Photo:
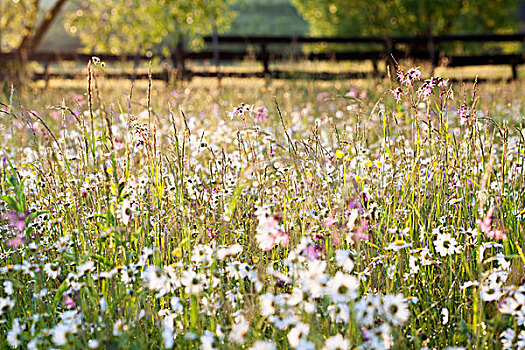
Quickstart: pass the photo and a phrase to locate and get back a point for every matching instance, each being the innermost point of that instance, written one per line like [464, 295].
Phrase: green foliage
[408, 17]
[17, 17]
[268, 17]
[136, 25]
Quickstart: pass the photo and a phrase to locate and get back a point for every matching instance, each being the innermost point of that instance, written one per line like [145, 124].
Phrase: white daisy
[125, 212]
[337, 342]
[263, 345]
[193, 282]
[445, 314]
[395, 309]
[8, 287]
[298, 333]
[119, 327]
[339, 312]
[490, 292]
[342, 287]
[342, 259]
[6, 304]
[267, 304]
[445, 244]
[239, 330]
[366, 309]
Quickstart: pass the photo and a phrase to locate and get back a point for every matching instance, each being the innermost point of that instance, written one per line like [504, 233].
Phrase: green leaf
[12, 202]
[34, 215]
[63, 287]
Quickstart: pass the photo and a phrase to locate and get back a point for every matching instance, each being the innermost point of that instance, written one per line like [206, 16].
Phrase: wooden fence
[271, 49]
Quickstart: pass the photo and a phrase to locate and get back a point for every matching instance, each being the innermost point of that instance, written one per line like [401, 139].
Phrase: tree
[120, 26]
[17, 20]
[408, 17]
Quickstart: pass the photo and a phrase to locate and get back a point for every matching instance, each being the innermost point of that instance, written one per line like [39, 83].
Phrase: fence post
[389, 52]
[46, 75]
[216, 58]
[135, 66]
[431, 51]
[180, 57]
[375, 67]
[265, 58]
[165, 72]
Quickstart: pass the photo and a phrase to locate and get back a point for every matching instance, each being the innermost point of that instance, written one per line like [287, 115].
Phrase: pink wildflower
[69, 302]
[425, 90]
[17, 220]
[269, 233]
[15, 242]
[261, 113]
[329, 221]
[397, 94]
[485, 226]
[464, 115]
[410, 77]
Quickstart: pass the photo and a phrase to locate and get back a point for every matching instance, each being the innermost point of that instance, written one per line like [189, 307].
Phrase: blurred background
[160, 29]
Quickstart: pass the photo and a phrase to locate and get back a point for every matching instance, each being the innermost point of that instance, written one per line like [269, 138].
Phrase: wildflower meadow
[381, 214]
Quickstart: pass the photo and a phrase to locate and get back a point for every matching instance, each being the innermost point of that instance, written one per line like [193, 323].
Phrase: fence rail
[428, 48]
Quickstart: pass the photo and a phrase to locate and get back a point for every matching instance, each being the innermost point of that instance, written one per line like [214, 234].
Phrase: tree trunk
[32, 44]
[29, 28]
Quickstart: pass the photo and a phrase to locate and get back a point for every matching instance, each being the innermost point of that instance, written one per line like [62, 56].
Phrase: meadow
[372, 214]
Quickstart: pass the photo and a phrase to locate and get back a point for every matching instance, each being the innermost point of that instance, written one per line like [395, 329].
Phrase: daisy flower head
[342, 287]
[126, 212]
[445, 244]
[367, 308]
[342, 259]
[336, 342]
[194, 283]
[395, 309]
[298, 334]
[490, 292]
[398, 244]
[52, 270]
[239, 330]
[263, 345]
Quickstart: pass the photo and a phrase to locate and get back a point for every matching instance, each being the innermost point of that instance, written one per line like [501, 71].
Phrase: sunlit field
[257, 214]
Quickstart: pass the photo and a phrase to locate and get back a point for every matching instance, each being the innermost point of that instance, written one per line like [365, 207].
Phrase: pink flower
[269, 233]
[315, 251]
[329, 221]
[17, 220]
[412, 75]
[360, 236]
[425, 91]
[323, 96]
[485, 226]
[15, 242]
[397, 94]
[464, 114]
[497, 235]
[261, 113]
[69, 302]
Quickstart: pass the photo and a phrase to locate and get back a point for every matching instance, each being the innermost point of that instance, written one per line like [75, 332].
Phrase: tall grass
[315, 218]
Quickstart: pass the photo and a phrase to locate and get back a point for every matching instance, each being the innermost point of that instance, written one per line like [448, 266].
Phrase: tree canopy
[138, 25]
[408, 17]
[115, 25]
[17, 21]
